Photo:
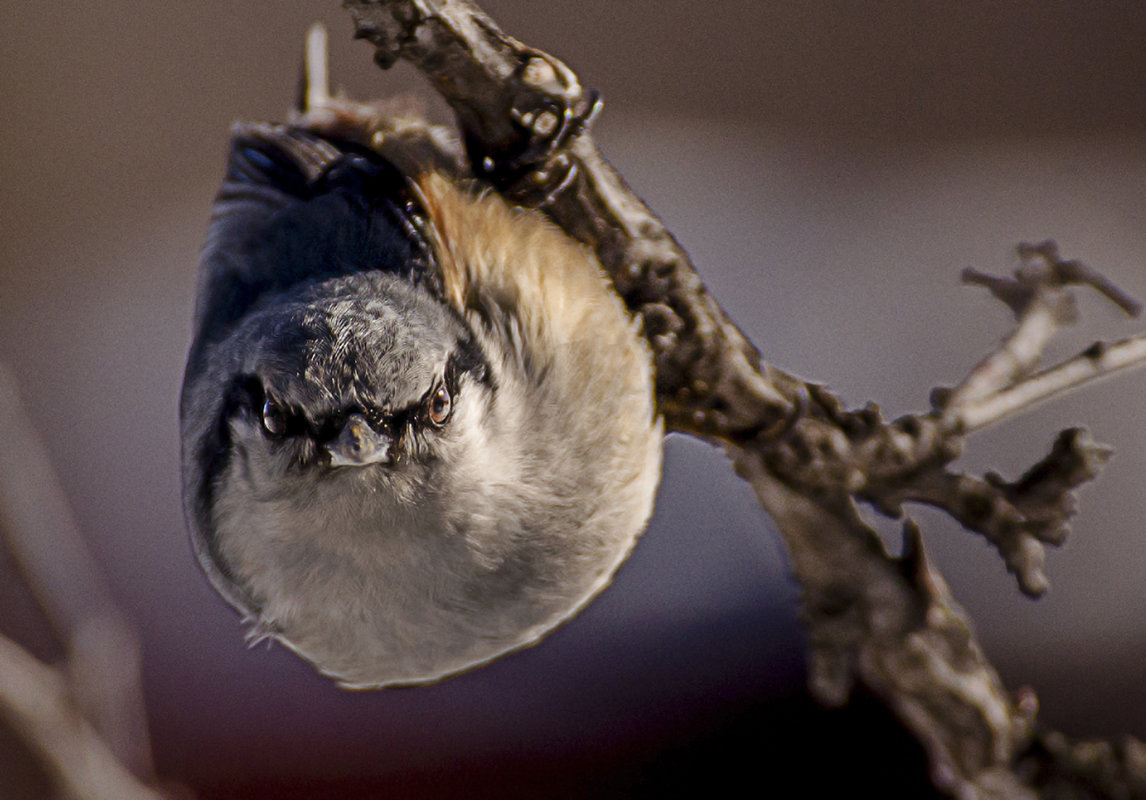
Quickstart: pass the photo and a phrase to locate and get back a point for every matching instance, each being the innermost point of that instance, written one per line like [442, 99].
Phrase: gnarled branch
[888, 622]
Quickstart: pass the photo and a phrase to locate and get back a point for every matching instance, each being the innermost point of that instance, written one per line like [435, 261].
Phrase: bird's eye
[274, 418]
[438, 406]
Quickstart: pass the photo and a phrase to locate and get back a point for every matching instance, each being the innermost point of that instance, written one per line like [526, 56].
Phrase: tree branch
[35, 698]
[890, 623]
[89, 723]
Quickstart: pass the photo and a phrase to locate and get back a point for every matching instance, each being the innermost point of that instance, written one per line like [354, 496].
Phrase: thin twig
[1098, 361]
[1016, 356]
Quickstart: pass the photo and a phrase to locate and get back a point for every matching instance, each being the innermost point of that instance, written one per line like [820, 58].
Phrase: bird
[418, 424]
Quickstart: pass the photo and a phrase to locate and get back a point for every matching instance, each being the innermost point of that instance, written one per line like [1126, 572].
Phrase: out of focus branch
[36, 700]
[888, 622]
[90, 717]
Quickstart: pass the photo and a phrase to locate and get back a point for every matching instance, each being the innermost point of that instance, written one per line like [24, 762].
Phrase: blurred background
[830, 166]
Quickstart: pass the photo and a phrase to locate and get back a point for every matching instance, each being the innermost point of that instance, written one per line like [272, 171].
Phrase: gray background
[831, 167]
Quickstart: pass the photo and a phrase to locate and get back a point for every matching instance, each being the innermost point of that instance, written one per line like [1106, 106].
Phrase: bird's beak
[358, 444]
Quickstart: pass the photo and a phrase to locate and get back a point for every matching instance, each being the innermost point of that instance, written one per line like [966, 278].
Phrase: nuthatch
[418, 424]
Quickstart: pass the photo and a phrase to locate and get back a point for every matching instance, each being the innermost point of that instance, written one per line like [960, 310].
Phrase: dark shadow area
[789, 745]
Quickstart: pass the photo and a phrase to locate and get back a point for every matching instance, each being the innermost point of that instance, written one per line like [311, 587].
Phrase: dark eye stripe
[467, 358]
